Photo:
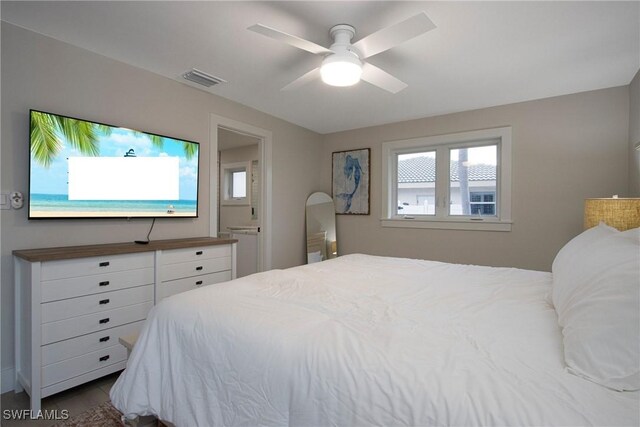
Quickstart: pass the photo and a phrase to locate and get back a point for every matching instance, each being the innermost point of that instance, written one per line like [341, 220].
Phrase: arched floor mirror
[321, 228]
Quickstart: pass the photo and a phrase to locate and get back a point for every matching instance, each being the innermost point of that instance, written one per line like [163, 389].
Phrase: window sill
[439, 224]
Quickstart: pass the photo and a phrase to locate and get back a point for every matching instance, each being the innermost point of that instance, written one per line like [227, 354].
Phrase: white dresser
[72, 304]
[185, 269]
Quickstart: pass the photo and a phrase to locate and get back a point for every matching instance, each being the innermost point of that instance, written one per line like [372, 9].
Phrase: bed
[364, 340]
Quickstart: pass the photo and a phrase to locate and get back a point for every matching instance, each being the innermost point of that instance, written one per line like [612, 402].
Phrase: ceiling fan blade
[382, 79]
[303, 80]
[289, 39]
[394, 35]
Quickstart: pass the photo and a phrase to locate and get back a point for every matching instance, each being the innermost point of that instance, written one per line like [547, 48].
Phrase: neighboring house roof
[423, 169]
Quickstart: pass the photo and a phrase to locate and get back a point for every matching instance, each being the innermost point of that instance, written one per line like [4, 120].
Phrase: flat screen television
[83, 169]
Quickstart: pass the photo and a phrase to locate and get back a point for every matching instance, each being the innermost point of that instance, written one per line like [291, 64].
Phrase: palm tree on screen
[190, 150]
[45, 143]
[81, 135]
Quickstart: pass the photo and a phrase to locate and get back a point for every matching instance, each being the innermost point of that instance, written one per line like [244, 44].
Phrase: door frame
[265, 143]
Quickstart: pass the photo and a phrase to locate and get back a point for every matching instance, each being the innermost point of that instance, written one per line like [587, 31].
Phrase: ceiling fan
[343, 63]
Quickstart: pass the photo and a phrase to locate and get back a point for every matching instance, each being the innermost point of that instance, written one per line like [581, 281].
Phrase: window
[416, 179]
[473, 170]
[238, 184]
[235, 179]
[483, 203]
[457, 181]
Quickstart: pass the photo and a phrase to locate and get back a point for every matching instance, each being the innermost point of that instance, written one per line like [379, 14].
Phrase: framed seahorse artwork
[351, 181]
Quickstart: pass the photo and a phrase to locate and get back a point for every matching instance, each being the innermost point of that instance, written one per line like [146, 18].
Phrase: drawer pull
[198, 268]
[104, 264]
[199, 282]
[104, 301]
[105, 283]
[105, 320]
[104, 339]
[104, 358]
[198, 252]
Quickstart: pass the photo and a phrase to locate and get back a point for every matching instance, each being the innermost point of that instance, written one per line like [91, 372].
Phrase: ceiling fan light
[341, 71]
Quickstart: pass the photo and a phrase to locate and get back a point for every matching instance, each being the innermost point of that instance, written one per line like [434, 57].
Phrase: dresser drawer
[194, 254]
[53, 290]
[73, 367]
[195, 268]
[84, 344]
[69, 328]
[52, 270]
[97, 303]
[173, 287]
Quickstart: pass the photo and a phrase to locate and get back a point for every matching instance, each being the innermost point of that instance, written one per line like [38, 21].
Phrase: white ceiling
[481, 53]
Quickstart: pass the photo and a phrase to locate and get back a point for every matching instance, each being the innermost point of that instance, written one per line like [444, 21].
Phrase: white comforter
[364, 340]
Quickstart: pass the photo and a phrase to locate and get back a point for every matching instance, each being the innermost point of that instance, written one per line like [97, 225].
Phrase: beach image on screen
[81, 169]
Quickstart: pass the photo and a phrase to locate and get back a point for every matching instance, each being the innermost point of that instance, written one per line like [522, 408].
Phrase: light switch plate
[5, 203]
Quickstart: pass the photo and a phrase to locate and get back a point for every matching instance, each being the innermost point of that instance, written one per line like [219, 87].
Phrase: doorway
[240, 196]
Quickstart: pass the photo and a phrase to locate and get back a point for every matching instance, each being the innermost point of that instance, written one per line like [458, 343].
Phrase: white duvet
[364, 340]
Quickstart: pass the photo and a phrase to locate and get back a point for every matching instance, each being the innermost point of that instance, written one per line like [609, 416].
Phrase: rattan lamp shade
[619, 213]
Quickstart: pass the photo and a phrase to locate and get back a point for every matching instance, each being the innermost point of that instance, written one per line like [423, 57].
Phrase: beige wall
[634, 136]
[42, 73]
[237, 215]
[565, 149]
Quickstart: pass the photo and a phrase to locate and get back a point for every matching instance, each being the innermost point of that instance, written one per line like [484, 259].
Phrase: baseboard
[7, 380]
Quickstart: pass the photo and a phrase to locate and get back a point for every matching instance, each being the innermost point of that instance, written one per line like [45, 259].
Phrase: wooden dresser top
[70, 252]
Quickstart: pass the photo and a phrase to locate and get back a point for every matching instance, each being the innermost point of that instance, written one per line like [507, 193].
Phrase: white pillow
[568, 257]
[596, 293]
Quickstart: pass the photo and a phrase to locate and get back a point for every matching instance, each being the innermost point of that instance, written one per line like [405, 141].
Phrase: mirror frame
[322, 243]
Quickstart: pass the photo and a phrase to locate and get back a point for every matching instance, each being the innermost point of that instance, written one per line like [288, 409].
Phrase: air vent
[202, 78]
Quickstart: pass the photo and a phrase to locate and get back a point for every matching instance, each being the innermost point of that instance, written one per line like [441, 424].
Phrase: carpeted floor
[103, 415]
